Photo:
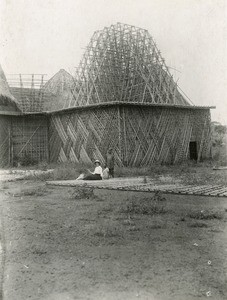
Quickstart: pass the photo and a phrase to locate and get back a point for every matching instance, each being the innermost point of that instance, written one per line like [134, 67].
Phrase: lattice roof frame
[131, 39]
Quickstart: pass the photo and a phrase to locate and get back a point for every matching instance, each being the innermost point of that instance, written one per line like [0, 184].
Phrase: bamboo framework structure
[29, 90]
[122, 63]
[23, 138]
[122, 97]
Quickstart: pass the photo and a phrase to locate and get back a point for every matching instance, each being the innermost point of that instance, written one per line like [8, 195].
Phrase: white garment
[98, 170]
[81, 177]
[105, 173]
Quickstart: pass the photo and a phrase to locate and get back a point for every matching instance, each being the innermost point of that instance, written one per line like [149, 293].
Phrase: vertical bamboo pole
[48, 120]
[119, 133]
[9, 144]
[125, 138]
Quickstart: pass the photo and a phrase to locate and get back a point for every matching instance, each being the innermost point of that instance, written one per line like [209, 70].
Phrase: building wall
[29, 139]
[82, 136]
[5, 125]
[139, 135]
[201, 133]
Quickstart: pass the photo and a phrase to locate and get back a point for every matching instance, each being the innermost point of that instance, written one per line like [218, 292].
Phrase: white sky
[43, 36]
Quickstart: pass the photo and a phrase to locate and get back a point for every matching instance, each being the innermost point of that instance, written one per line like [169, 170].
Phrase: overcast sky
[43, 36]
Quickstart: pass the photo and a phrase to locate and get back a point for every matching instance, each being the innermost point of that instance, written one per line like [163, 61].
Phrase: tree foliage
[218, 132]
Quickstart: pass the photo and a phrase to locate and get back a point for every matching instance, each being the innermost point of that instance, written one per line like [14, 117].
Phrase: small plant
[83, 193]
[198, 225]
[5, 187]
[128, 221]
[158, 196]
[107, 209]
[43, 166]
[146, 206]
[107, 232]
[205, 215]
[133, 228]
[155, 226]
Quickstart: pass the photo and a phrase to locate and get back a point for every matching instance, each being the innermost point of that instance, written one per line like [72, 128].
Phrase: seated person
[96, 175]
[105, 173]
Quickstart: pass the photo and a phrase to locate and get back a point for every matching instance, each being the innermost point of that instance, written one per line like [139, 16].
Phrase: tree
[218, 133]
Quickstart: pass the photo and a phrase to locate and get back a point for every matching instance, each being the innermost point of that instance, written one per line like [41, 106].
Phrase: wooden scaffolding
[29, 90]
[122, 63]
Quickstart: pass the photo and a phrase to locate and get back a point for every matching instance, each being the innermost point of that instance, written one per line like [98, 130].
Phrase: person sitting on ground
[105, 173]
[96, 175]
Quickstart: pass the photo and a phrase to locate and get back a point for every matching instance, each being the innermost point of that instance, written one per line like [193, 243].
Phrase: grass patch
[64, 171]
[156, 226]
[35, 192]
[205, 215]
[4, 186]
[107, 232]
[82, 193]
[145, 206]
[151, 171]
[198, 225]
[188, 172]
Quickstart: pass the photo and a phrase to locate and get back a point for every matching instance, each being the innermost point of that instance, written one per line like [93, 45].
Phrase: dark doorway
[193, 150]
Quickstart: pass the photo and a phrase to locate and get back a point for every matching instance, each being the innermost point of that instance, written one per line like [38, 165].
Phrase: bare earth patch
[77, 243]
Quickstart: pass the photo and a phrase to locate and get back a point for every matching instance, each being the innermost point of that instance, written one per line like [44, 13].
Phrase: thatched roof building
[7, 101]
[58, 90]
[8, 107]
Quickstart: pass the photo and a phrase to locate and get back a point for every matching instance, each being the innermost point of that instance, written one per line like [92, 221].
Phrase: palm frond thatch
[6, 98]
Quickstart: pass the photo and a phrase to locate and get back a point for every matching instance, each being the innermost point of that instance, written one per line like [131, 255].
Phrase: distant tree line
[219, 142]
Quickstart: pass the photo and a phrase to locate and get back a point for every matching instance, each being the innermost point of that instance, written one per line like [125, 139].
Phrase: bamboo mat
[136, 184]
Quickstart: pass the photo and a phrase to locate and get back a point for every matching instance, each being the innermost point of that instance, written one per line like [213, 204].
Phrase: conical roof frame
[59, 83]
[123, 64]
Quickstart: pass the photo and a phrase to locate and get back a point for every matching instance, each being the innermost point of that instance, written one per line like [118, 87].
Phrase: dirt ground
[62, 243]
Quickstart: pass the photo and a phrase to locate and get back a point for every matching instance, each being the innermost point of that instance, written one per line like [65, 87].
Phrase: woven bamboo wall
[29, 136]
[84, 136]
[139, 135]
[202, 133]
[5, 122]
